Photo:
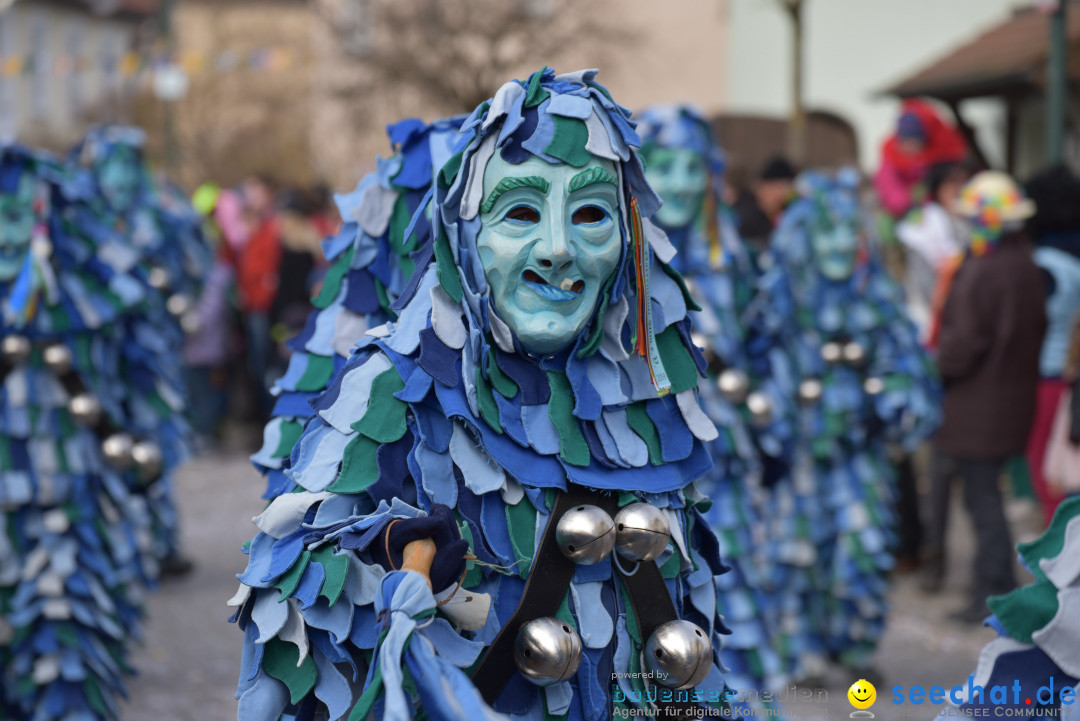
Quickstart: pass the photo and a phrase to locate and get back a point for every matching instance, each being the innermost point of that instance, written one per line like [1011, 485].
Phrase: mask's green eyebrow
[591, 176]
[507, 184]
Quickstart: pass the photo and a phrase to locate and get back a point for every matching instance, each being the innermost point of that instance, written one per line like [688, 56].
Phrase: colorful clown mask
[835, 250]
[549, 240]
[680, 176]
[118, 177]
[16, 226]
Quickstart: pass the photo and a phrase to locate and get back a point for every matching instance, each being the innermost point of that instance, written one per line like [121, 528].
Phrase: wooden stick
[418, 556]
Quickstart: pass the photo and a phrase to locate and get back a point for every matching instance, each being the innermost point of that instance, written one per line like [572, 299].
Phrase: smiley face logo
[862, 695]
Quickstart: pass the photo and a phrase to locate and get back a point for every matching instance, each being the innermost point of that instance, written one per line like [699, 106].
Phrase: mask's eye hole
[523, 214]
[588, 215]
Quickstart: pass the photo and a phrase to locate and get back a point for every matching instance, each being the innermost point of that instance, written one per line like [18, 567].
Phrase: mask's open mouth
[568, 290]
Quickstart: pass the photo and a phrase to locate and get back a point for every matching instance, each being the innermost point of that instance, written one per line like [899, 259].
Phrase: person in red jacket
[258, 264]
[922, 139]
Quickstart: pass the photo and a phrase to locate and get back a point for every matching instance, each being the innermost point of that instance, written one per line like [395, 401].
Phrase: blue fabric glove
[441, 527]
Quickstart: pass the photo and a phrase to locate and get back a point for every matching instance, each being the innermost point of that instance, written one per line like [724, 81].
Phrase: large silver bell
[85, 409]
[178, 304]
[679, 654]
[854, 354]
[585, 534]
[873, 386]
[760, 408]
[117, 450]
[148, 459]
[158, 278]
[57, 358]
[734, 385]
[547, 651]
[832, 352]
[810, 391]
[641, 532]
[15, 349]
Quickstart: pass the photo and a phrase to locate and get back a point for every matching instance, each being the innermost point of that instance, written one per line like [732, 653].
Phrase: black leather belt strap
[547, 585]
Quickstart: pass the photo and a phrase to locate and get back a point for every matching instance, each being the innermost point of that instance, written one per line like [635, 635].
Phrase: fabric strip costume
[446, 407]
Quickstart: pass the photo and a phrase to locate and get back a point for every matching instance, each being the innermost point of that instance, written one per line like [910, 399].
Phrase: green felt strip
[446, 269]
[332, 282]
[568, 143]
[572, 445]
[563, 614]
[290, 434]
[288, 582]
[362, 710]
[676, 276]
[358, 466]
[534, 91]
[400, 218]
[640, 423]
[281, 660]
[1025, 610]
[501, 382]
[94, 696]
[521, 520]
[317, 373]
[382, 295]
[384, 419]
[336, 566]
[473, 574]
[1052, 541]
[679, 364]
[450, 170]
[671, 567]
[486, 401]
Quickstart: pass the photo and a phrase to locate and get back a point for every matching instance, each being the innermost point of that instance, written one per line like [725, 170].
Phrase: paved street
[190, 658]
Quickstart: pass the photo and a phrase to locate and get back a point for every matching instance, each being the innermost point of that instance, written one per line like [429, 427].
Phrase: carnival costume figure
[751, 382]
[866, 384]
[167, 251]
[75, 548]
[533, 407]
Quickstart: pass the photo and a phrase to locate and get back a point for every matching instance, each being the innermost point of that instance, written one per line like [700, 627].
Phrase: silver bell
[58, 358]
[760, 408]
[178, 304]
[148, 459]
[547, 651]
[117, 450]
[733, 385]
[679, 654]
[832, 352]
[641, 532]
[585, 534]
[85, 409]
[810, 391]
[15, 349]
[158, 278]
[873, 386]
[854, 354]
[189, 322]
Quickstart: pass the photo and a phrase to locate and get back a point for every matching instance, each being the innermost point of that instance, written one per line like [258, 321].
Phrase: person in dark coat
[992, 328]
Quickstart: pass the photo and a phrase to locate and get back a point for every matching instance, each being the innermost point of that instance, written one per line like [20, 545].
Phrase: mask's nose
[554, 250]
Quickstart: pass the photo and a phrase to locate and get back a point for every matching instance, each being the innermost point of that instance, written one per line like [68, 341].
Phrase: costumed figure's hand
[448, 564]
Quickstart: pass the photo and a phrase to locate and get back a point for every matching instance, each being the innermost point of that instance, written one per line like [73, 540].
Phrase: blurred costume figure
[1038, 629]
[86, 434]
[1055, 229]
[170, 255]
[992, 328]
[866, 384]
[922, 140]
[750, 386]
[503, 413]
[932, 236]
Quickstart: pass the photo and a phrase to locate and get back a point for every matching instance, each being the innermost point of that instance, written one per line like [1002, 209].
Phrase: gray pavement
[190, 657]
